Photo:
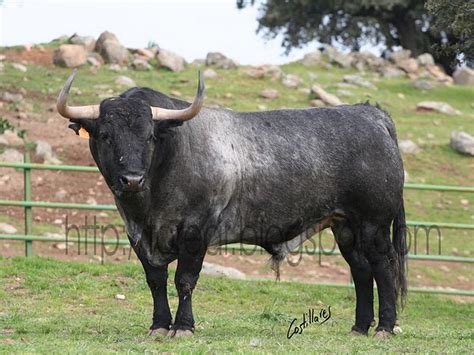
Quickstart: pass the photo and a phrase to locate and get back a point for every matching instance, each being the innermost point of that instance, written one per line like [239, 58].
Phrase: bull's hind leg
[157, 278]
[380, 253]
[361, 274]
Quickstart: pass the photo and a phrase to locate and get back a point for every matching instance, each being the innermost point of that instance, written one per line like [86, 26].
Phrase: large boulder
[362, 59]
[170, 60]
[390, 71]
[464, 76]
[311, 59]
[70, 55]
[409, 65]
[111, 49]
[220, 60]
[425, 59]
[336, 57]
[400, 55]
[462, 142]
[87, 42]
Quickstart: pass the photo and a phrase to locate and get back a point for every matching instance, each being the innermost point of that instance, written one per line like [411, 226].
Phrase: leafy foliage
[456, 19]
[353, 23]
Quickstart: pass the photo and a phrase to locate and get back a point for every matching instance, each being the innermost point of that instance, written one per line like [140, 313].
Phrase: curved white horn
[91, 111]
[184, 114]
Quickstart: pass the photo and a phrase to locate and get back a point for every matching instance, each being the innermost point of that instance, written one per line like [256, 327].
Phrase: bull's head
[121, 133]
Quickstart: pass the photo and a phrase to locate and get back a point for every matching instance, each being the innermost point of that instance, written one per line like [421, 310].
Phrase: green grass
[69, 307]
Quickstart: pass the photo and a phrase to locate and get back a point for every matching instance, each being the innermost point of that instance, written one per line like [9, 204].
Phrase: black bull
[261, 178]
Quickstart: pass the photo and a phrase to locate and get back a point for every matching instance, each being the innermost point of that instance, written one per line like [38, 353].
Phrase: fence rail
[28, 206]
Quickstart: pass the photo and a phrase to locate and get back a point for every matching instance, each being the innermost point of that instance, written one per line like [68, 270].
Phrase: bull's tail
[400, 245]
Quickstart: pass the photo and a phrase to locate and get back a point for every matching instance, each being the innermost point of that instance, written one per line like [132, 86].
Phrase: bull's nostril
[124, 180]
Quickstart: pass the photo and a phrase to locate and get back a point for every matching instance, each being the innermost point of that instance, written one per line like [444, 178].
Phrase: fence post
[28, 209]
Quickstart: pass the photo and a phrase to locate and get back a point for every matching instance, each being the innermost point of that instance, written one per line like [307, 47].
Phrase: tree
[454, 19]
[405, 23]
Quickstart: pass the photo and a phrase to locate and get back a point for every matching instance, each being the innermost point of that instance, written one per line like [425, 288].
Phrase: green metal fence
[28, 206]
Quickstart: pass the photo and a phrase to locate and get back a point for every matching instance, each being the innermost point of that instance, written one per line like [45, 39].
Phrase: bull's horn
[91, 111]
[185, 114]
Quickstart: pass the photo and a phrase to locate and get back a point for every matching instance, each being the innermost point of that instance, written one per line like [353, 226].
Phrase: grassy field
[52, 306]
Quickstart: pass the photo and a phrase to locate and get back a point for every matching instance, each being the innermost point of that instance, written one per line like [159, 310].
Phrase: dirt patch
[37, 56]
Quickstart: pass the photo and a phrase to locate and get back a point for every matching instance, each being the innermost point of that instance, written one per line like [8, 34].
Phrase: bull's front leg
[156, 278]
[190, 258]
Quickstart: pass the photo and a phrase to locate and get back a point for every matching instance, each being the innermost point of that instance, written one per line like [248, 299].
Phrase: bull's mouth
[124, 192]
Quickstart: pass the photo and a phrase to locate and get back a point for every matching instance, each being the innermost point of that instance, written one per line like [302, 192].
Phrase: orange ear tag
[83, 133]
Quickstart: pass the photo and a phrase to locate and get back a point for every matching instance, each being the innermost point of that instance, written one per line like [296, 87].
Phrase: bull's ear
[83, 127]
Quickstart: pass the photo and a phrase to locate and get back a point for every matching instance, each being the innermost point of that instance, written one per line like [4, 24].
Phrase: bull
[186, 177]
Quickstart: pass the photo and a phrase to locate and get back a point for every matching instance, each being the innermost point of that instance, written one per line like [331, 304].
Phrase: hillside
[30, 83]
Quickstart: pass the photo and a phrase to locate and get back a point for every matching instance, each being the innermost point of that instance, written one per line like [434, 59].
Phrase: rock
[7, 228]
[20, 67]
[358, 81]
[462, 142]
[391, 72]
[441, 107]
[311, 59]
[438, 73]
[109, 47]
[423, 84]
[272, 71]
[120, 297]
[62, 245]
[2, 57]
[11, 156]
[464, 76]
[145, 52]
[317, 103]
[3, 140]
[291, 81]
[141, 64]
[12, 139]
[408, 147]
[220, 60]
[9, 97]
[170, 60]
[116, 68]
[218, 270]
[87, 42]
[269, 94]
[409, 65]
[399, 55]
[425, 59]
[336, 57]
[255, 72]
[94, 59]
[45, 151]
[209, 74]
[362, 59]
[329, 99]
[125, 81]
[70, 55]
[61, 194]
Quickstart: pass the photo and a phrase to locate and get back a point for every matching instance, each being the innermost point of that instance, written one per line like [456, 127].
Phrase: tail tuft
[400, 245]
